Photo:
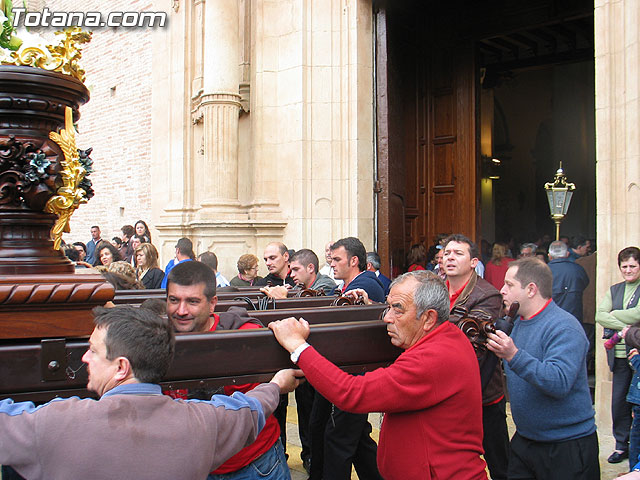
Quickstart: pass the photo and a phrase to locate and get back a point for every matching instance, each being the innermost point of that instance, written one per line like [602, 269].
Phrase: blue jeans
[634, 436]
[271, 465]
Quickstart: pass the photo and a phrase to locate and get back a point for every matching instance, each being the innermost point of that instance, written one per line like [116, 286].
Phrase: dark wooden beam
[553, 59]
[208, 359]
[317, 316]
[133, 297]
[505, 44]
[524, 41]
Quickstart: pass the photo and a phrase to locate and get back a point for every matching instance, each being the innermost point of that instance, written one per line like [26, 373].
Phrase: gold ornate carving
[61, 58]
[69, 196]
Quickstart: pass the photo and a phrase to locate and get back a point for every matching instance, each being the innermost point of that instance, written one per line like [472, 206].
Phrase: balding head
[327, 252]
[276, 257]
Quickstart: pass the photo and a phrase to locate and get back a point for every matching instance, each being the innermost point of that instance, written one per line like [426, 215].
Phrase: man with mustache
[432, 426]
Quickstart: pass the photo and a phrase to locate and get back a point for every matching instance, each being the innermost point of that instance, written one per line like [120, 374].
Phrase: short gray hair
[374, 259]
[532, 246]
[431, 293]
[558, 249]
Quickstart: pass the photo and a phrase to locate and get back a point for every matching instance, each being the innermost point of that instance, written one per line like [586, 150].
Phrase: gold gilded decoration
[69, 196]
[61, 58]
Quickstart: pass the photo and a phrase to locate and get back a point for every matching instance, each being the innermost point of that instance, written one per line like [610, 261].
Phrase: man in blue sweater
[349, 262]
[547, 380]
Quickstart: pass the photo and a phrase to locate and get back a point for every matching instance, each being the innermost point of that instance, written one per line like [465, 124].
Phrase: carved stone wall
[278, 145]
[312, 122]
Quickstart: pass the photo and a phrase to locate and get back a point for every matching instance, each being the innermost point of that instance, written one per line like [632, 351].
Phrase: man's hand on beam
[288, 380]
[290, 333]
[357, 293]
[277, 292]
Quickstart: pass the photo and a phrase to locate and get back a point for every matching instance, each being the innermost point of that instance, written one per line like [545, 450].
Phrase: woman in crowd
[107, 254]
[417, 258]
[247, 271]
[497, 267]
[148, 271]
[143, 230]
[618, 309]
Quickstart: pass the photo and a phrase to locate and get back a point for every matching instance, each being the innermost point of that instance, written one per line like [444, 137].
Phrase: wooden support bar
[225, 303]
[133, 297]
[322, 315]
[293, 302]
[207, 359]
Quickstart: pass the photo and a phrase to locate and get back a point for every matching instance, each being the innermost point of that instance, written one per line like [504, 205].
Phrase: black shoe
[617, 457]
[306, 464]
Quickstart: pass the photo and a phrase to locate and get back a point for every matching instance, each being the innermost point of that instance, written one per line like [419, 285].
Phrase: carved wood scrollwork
[27, 173]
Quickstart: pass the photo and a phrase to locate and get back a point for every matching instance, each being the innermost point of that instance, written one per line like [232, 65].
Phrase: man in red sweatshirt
[191, 299]
[431, 396]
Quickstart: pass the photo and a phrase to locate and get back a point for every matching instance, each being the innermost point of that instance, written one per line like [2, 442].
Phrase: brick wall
[117, 120]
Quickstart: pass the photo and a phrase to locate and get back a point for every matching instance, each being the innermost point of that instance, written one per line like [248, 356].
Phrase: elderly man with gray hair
[569, 280]
[430, 395]
[528, 250]
[373, 265]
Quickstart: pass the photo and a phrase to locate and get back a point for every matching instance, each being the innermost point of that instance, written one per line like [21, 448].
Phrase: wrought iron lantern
[559, 194]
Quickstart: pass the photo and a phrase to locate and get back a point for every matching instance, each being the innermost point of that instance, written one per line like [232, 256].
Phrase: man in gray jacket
[133, 431]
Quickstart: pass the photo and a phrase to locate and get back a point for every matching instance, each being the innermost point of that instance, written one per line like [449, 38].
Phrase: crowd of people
[445, 415]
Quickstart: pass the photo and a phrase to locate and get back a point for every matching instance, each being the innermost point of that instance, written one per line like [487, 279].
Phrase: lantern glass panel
[567, 203]
[560, 200]
[550, 199]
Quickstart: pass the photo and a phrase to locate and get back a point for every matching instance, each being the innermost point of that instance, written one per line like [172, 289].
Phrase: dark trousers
[320, 413]
[280, 413]
[496, 439]
[9, 473]
[590, 331]
[620, 408]
[340, 440]
[347, 442]
[305, 394]
[570, 460]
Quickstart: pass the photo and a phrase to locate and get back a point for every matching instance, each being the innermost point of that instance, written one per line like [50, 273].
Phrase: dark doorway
[463, 83]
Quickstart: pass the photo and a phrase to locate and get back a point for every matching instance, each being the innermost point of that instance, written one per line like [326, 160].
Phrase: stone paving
[293, 440]
[608, 471]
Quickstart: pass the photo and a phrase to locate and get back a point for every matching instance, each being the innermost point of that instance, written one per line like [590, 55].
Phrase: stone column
[218, 110]
[617, 66]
